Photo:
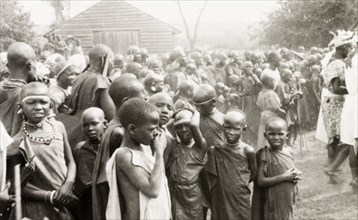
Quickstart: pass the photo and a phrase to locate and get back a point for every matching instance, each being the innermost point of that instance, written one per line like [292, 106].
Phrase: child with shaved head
[43, 146]
[93, 125]
[137, 182]
[232, 168]
[121, 89]
[187, 160]
[164, 104]
[211, 125]
[275, 188]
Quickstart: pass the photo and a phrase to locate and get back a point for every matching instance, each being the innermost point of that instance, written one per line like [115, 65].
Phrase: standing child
[93, 125]
[137, 182]
[276, 189]
[269, 104]
[121, 89]
[231, 170]
[164, 104]
[188, 159]
[43, 145]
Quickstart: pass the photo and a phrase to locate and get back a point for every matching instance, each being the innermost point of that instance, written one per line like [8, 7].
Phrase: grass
[317, 199]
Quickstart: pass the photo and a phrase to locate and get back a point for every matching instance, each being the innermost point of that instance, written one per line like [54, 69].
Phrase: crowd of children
[159, 137]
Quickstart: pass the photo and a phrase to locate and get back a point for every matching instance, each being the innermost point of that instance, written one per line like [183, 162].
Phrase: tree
[15, 24]
[191, 39]
[307, 23]
[61, 8]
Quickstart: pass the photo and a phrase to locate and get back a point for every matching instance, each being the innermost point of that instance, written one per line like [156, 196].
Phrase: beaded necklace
[41, 140]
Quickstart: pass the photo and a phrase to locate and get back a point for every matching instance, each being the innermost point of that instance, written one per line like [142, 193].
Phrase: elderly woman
[332, 104]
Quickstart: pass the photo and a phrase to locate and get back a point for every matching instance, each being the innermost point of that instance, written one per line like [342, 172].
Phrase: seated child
[137, 182]
[187, 160]
[93, 125]
[232, 168]
[43, 145]
[275, 188]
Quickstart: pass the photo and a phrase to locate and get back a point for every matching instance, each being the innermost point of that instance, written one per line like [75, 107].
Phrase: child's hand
[289, 175]
[5, 197]
[64, 195]
[297, 178]
[160, 142]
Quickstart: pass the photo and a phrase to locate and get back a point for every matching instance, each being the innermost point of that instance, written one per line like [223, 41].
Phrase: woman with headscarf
[332, 103]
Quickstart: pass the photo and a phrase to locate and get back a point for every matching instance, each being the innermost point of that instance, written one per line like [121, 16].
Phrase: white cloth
[271, 73]
[349, 120]
[5, 140]
[150, 208]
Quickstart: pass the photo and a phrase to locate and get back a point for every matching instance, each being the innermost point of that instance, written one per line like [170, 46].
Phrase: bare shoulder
[78, 147]
[58, 125]
[117, 132]
[123, 158]
[249, 150]
[288, 150]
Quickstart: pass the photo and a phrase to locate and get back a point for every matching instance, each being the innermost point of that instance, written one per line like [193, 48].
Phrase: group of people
[144, 136]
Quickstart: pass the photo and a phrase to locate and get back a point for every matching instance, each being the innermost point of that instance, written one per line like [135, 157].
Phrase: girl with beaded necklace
[44, 147]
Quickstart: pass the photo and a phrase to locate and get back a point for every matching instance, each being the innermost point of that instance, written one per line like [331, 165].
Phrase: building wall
[116, 16]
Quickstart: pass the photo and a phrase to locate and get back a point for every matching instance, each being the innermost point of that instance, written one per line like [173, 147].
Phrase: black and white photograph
[178, 109]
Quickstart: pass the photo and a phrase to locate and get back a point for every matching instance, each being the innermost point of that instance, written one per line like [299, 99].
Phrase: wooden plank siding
[116, 18]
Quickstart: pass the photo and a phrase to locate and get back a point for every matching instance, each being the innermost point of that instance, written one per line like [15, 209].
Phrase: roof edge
[175, 30]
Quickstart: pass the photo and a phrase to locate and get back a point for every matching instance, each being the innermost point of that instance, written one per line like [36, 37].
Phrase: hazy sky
[166, 10]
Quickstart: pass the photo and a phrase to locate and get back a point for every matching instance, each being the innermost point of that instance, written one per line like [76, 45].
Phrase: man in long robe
[90, 89]
[22, 68]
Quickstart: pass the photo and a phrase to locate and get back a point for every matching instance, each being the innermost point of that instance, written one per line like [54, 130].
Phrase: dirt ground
[317, 199]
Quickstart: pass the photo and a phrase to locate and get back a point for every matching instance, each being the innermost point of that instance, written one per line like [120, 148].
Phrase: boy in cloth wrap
[188, 158]
[93, 125]
[232, 169]
[137, 182]
[275, 189]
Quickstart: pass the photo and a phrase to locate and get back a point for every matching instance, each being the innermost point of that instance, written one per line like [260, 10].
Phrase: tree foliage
[307, 22]
[15, 24]
[61, 8]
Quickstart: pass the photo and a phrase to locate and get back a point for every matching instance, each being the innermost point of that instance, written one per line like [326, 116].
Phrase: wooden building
[119, 25]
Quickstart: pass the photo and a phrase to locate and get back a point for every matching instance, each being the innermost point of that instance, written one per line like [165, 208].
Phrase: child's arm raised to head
[195, 130]
[251, 158]
[263, 181]
[148, 184]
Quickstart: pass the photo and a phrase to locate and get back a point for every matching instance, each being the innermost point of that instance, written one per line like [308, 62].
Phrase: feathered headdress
[342, 37]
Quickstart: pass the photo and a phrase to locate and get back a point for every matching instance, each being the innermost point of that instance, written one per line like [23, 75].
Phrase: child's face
[276, 135]
[183, 132]
[205, 109]
[233, 129]
[145, 133]
[166, 111]
[35, 106]
[93, 126]
[159, 86]
[68, 76]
